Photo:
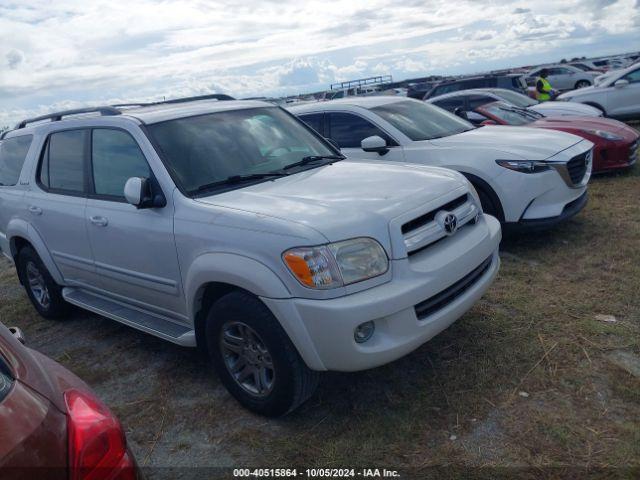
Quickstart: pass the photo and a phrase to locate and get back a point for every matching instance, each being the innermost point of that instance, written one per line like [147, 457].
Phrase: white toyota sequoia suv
[232, 226]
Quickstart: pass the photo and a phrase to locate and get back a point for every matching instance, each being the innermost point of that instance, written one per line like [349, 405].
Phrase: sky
[70, 53]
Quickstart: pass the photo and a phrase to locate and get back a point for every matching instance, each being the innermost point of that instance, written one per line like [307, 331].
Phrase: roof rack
[213, 96]
[111, 110]
[57, 116]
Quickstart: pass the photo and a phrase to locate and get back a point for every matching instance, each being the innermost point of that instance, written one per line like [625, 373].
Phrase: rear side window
[632, 77]
[476, 101]
[475, 83]
[450, 104]
[13, 152]
[63, 161]
[349, 130]
[314, 120]
[116, 157]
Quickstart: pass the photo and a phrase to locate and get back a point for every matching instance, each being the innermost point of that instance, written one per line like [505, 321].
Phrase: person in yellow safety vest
[543, 87]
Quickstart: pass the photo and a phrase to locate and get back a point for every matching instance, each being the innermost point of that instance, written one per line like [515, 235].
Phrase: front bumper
[615, 156]
[322, 330]
[572, 208]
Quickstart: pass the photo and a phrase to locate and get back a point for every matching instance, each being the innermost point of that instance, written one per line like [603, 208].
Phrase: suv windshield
[422, 121]
[516, 98]
[215, 149]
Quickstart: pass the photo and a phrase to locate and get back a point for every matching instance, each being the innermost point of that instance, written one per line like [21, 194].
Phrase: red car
[616, 144]
[52, 426]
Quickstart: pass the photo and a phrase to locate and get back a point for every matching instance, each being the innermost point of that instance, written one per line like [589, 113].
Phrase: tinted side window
[476, 101]
[63, 161]
[349, 130]
[314, 120]
[116, 157]
[475, 83]
[13, 152]
[450, 104]
[632, 77]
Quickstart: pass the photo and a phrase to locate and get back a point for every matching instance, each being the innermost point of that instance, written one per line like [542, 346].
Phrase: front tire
[43, 292]
[582, 84]
[254, 357]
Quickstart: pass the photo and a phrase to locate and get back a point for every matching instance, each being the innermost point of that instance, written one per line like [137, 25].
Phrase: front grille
[449, 294]
[577, 167]
[429, 217]
[633, 152]
[428, 229]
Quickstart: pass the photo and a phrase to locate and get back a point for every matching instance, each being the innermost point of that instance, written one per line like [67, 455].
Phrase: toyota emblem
[450, 223]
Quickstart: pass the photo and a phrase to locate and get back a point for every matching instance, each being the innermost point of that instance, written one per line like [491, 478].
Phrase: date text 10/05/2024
[316, 473]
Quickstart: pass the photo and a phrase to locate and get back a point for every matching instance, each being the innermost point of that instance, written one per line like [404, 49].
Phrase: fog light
[364, 331]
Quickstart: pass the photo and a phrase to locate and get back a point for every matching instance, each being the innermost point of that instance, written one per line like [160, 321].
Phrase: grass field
[536, 375]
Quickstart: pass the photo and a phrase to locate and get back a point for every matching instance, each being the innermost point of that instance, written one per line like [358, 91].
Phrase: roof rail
[212, 96]
[57, 116]
[113, 109]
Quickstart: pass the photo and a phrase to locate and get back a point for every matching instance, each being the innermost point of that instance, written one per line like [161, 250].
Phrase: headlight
[605, 135]
[524, 166]
[337, 264]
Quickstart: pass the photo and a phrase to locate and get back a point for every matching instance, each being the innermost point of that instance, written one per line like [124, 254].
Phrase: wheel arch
[21, 234]
[213, 275]
[480, 184]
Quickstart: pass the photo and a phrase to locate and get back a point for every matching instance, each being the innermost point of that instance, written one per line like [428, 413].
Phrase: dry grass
[528, 378]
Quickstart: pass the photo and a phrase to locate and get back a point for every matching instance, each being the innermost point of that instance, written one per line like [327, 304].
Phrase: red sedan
[52, 426]
[616, 144]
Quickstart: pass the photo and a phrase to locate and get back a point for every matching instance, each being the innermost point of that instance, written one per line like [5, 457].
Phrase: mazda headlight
[524, 166]
[337, 264]
[605, 135]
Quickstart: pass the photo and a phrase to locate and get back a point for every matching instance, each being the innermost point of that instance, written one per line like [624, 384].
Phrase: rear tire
[43, 292]
[582, 84]
[254, 357]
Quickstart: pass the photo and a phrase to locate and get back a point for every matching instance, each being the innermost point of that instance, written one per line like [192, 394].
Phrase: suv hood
[344, 199]
[523, 142]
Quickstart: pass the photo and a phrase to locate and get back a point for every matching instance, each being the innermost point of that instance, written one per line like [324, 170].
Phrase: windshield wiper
[523, 111]
[313, 158]
[233, 179]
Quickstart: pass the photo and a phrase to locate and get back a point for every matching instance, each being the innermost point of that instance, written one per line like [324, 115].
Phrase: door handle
[35, 210]
[99, 221]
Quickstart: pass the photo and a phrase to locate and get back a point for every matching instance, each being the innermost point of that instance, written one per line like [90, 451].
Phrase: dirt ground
[540, 378]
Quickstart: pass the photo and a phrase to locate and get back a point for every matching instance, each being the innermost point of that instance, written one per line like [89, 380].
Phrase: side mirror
[458, 111]
[138, 192]
[374, 143]
[621, 83]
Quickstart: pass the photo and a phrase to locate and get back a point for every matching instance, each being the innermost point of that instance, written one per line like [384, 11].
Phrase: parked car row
[615, 142]
[338, 235]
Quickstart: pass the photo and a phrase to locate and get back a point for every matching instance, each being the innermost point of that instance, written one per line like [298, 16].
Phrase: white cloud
[91, 52]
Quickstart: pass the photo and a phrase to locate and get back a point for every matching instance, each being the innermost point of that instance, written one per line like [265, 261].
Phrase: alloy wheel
[38, 286]
[247, 358]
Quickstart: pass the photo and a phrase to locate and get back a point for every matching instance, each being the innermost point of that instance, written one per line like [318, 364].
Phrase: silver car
[563, 77]
[232, 226]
